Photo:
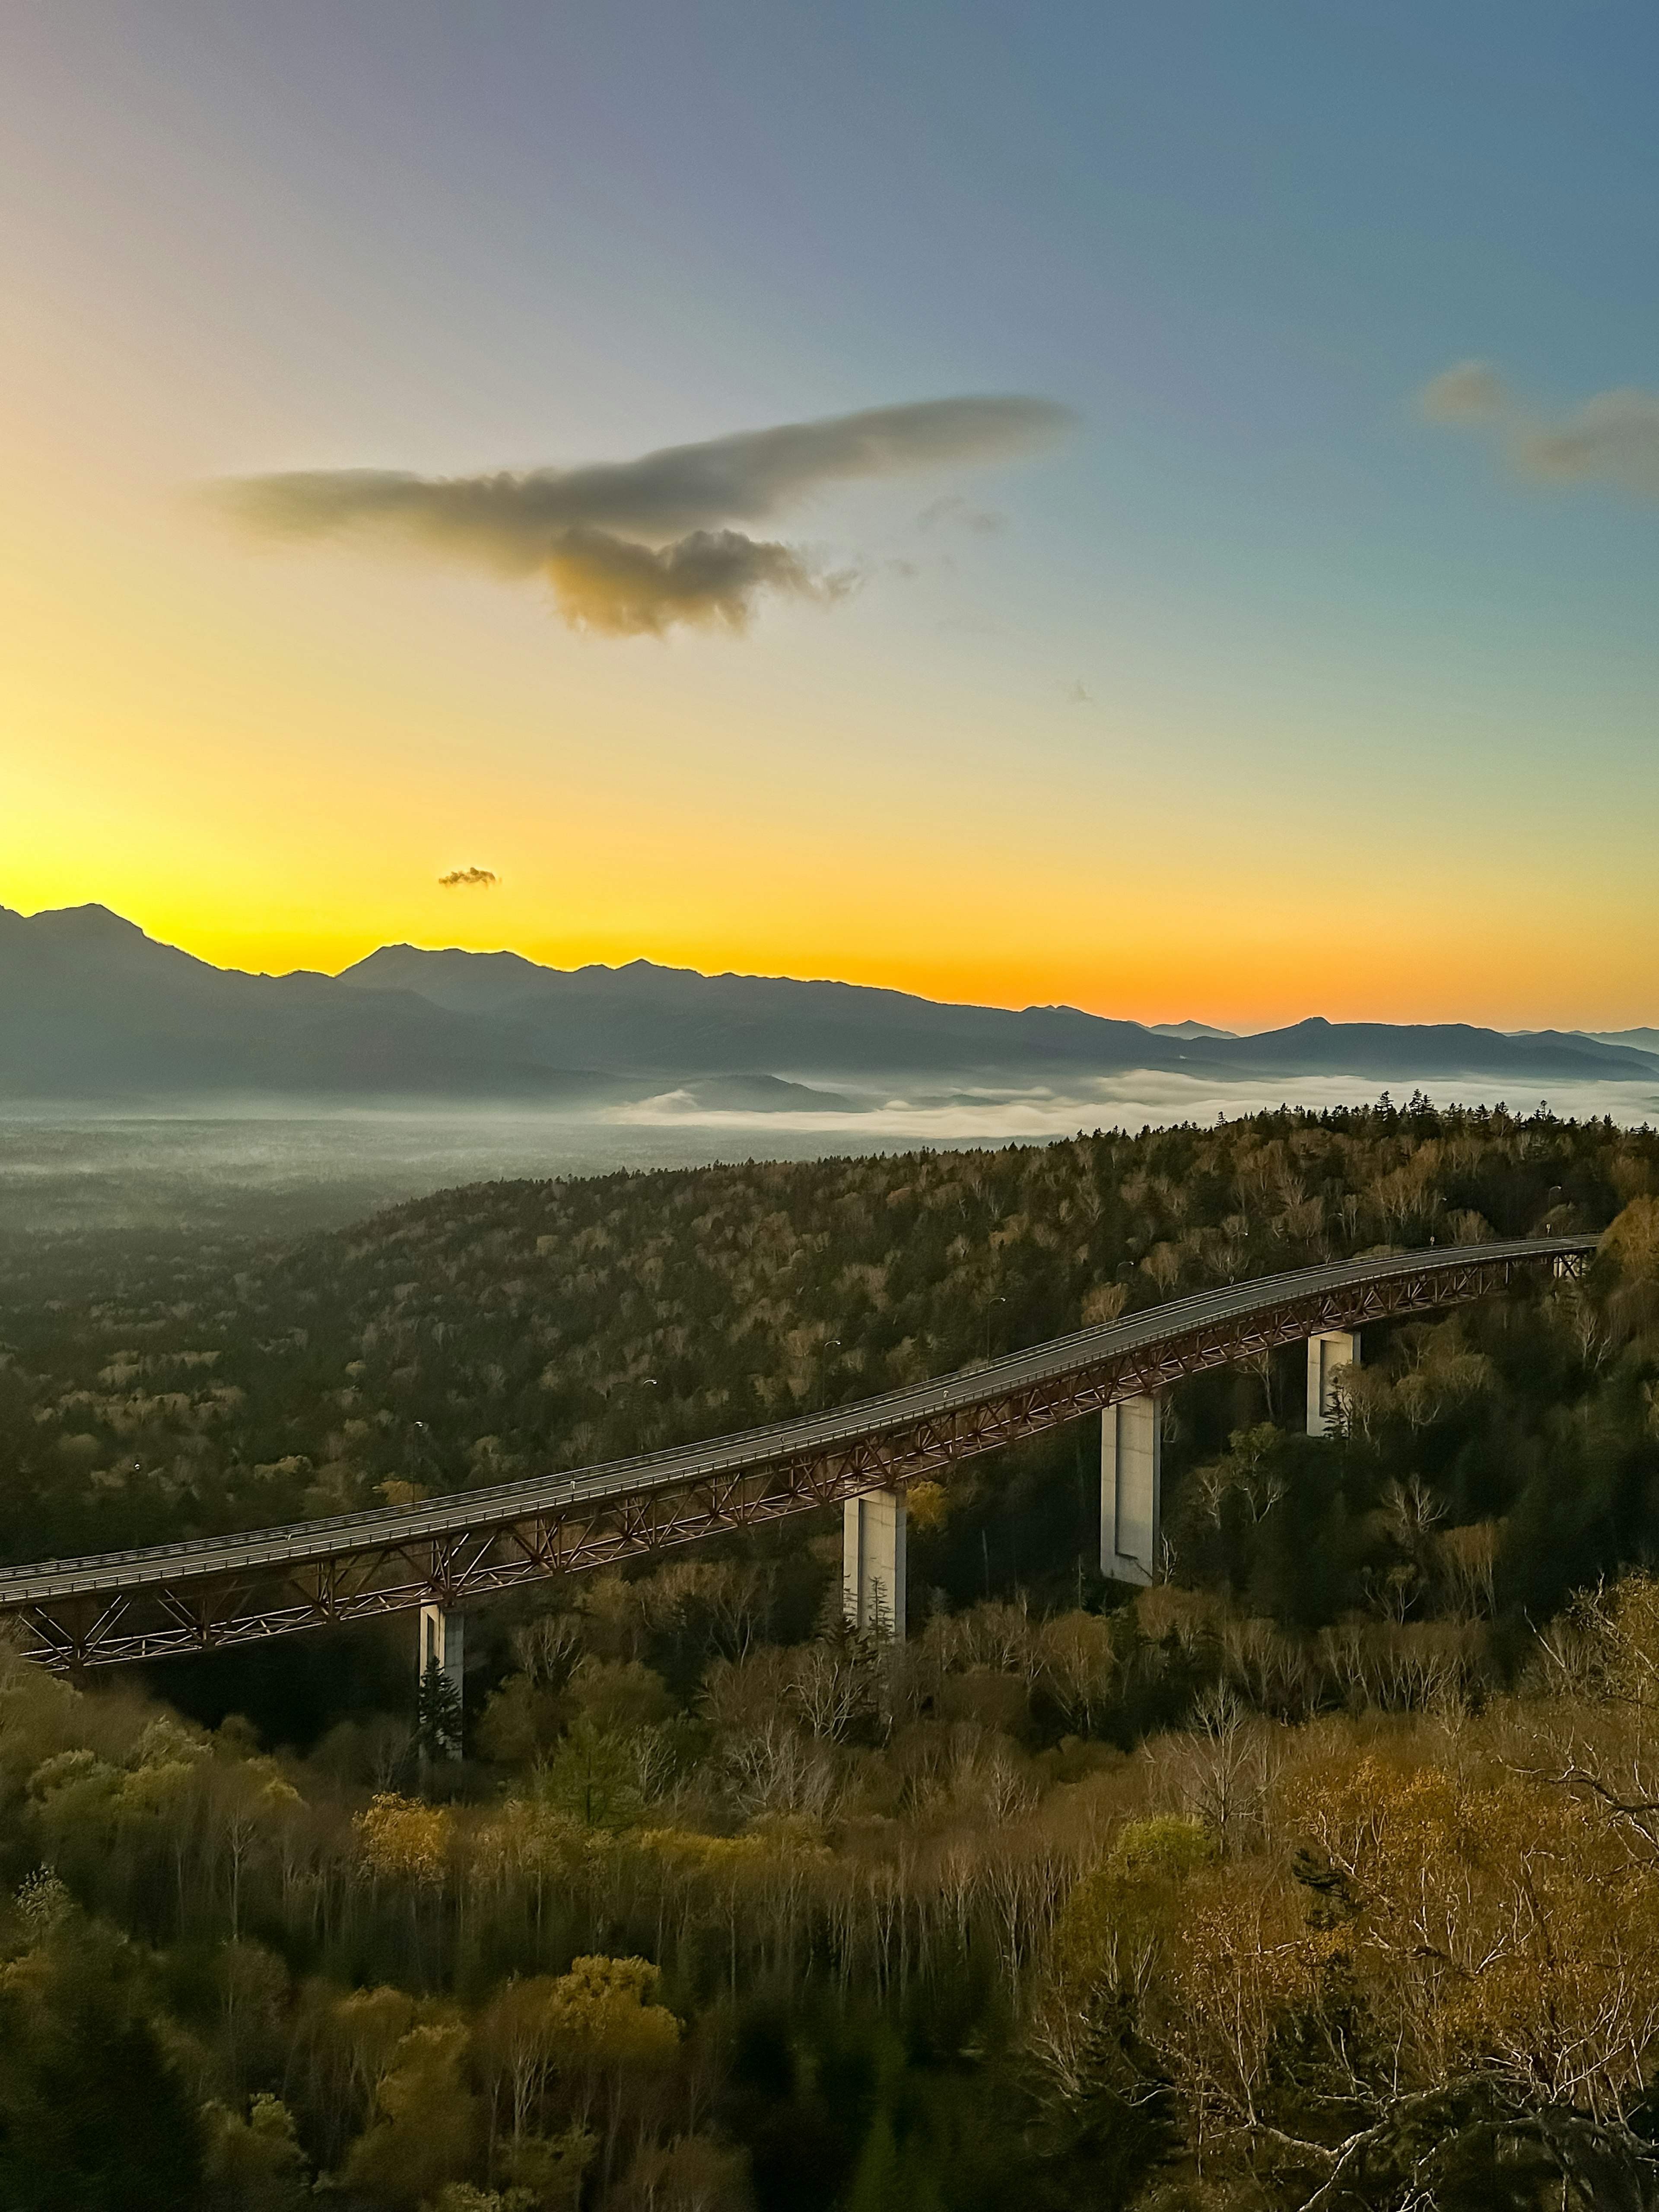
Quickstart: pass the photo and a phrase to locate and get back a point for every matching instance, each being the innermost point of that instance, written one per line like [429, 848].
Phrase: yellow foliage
[403, 1840]
[688, 1849]
[927, 1505]
[1502, 1923]
[1633, 1240]
[599, 2016]
[1104, 1303]
[373, 2022]
[1619, 1629]
[426, 2126]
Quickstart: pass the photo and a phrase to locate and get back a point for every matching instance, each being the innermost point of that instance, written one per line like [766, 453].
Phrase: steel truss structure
[221, 1591]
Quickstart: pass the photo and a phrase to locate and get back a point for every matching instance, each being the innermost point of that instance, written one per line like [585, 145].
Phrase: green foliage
[591, 1779]
[549, 2169]
[254, 2164]
[92, 2114]
[438, 1714]
[1167, 1847]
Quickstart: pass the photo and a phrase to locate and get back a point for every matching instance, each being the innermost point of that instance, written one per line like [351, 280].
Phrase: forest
[1324, 1873]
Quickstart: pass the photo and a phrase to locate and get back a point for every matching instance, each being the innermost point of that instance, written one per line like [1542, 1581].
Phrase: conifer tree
[438, 1716]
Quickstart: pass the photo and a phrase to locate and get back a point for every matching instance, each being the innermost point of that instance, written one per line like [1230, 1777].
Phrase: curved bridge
[222, 1590]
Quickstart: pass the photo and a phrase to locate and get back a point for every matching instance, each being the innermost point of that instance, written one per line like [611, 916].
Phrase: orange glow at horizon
[271, 762]
[1246, 987]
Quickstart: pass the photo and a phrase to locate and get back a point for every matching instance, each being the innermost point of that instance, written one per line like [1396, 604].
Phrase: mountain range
[92, 1008]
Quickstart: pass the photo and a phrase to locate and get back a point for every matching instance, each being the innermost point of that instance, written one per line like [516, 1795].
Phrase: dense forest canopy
[1324, 1872]
[520, 1328]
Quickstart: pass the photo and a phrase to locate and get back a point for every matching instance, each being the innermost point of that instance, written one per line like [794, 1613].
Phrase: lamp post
[830, 1344]
[420, 1445]
[988, 1305]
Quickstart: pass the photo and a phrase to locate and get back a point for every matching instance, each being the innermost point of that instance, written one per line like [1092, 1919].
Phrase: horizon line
[840, 982]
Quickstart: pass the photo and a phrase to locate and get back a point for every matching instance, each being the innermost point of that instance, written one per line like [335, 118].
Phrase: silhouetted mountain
[643, 1017]
[644, 1020]
[1393, 1052]
[91, 1007]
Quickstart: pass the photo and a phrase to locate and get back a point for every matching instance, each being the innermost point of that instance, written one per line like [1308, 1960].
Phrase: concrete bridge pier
[1131, 1488]
[873, 1561]
[1329, 1353]
[443, 1637]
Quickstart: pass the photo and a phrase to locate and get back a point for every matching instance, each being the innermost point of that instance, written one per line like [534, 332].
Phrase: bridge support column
[443, 1638]
[1329, 1352]
[1131, 1487]
[872, 1564]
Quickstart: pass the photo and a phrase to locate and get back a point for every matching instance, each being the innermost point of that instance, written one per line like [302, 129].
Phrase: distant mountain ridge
[91, 1007]
[644, 1016]
[1644, 1040]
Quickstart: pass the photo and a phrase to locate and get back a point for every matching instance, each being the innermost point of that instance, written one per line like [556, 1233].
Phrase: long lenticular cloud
[635, 547]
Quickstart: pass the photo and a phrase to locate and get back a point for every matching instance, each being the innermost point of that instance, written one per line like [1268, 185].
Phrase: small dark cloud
[468, 878]
[614, 588]
[633, 548]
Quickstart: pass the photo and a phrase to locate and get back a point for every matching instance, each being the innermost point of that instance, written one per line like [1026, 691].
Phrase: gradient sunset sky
[1313, 669]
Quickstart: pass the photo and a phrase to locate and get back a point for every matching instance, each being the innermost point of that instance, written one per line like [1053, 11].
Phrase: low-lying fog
[271, 1166]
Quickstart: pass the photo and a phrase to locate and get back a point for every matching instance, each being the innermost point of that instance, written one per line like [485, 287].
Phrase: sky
[1278, 640]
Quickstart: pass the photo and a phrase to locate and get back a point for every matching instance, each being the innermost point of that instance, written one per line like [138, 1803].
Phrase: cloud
[1612, 438]
[635, 547]
[1468, 392]
[616, 587]
[954, 512]
[472, 879]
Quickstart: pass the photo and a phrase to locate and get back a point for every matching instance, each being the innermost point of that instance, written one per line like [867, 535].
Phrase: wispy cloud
[468, 878]
[955, 512]
[636, 547]
[1612, 438]
[1468, 392]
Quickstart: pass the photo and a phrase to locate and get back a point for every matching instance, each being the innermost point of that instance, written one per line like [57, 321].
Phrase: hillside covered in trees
[1326, 1872]
[518, 1327]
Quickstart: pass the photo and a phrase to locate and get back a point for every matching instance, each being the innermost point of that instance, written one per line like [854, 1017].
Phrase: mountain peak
[87, 924]
[1190, 1030]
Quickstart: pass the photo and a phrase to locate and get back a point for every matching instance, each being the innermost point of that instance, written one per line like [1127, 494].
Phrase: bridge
[438, 1556]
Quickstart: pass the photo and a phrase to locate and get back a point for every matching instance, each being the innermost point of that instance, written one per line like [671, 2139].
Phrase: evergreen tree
[438, 1716]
